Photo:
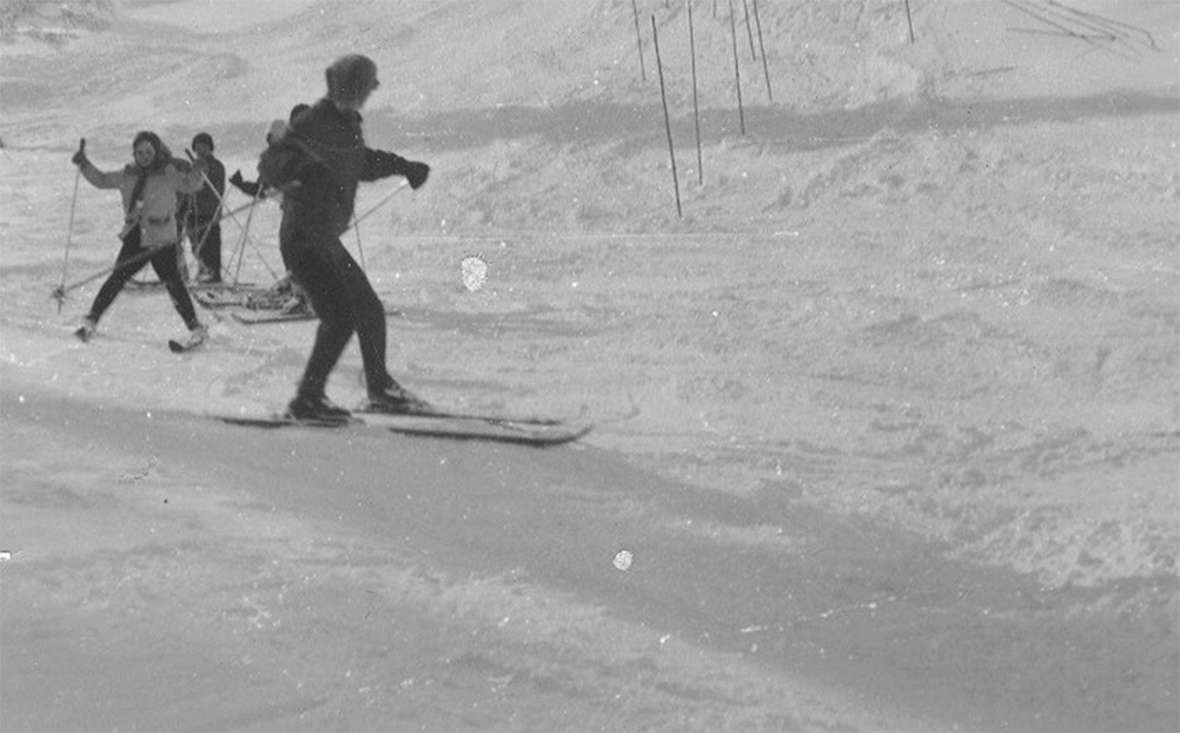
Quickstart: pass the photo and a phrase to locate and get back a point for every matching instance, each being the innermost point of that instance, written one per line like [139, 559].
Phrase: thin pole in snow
[638, 40]
[696, 111]
[762, 50]
[749, 30]
[667, 120]
[909, 19]
[737, 73]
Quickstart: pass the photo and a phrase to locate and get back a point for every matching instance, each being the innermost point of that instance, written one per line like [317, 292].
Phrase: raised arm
[95, 177]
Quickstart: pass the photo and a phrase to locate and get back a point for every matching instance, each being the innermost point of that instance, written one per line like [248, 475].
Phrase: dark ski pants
[163, 262]
[206, 240]
[345, 303]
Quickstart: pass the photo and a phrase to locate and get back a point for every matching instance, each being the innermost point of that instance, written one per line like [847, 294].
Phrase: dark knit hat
[203, 137]
[350, 77]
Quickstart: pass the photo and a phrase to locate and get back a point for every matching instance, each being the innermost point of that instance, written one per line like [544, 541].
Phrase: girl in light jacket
[149, 188]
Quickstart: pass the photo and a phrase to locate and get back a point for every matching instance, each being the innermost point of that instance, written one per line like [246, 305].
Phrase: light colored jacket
[156, 216]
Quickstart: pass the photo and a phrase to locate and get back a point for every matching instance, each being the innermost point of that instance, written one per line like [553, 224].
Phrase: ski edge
[538, 435]
[506, 420]
[536, 440]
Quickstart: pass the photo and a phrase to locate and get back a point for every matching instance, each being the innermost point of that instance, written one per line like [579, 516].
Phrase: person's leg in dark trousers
[314, 270]
[168, 271]
[119, 276]
[345, 302]
[368, 319]
[209, 254]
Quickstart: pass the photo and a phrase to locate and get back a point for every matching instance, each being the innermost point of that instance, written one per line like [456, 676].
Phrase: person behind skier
[295, 299]
[149, 187]
[202, 213]
[324, 150]
[259, 189]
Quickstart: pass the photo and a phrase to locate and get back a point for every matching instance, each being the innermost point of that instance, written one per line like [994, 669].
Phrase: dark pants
[206, 239]
[345, 303]
[163, 262]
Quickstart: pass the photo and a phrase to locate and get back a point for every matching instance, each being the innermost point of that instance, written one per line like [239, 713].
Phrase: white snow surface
[915, 336]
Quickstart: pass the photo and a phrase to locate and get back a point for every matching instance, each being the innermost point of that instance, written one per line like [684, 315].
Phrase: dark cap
[203, 137]
[350, 77]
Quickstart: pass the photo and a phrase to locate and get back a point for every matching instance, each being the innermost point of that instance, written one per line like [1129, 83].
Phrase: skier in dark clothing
[325, 152]
[149, 189]
[202, 213]
[258, 189]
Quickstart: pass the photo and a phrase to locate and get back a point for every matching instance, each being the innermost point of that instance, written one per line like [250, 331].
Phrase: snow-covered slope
[928, 302]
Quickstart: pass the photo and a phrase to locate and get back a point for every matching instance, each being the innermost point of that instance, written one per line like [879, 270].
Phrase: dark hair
[202, 137]
[297, 110]
[163, 154]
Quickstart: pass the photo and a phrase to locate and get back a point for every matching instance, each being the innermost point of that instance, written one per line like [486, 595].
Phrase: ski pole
[359, 249]
[245, 236]
[379, 204]
[221, 205]
[227, 214]
[65, 265]
[356, 221]
[59, 293]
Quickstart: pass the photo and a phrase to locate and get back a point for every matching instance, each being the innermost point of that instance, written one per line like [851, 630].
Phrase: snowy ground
[889, 420]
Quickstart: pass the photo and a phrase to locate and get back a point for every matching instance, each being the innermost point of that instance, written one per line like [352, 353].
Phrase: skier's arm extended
[382, 164]
[93, 176]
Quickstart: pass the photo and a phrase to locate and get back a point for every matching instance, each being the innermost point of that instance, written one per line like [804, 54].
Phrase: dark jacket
[207, 202]
[324, 151]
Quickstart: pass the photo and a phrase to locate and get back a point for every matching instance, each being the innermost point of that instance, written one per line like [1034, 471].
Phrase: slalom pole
[65, 265]
[696, 110]
[737, 73]
[749, 31]
[762, 50]
[667, 121]
[638, 40]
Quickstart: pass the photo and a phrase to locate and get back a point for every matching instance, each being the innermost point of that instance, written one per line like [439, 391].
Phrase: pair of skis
[532, 431]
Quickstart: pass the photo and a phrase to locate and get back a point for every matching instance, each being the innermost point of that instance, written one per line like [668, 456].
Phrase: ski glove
[415, 173]
[236, 178]
[79, 158]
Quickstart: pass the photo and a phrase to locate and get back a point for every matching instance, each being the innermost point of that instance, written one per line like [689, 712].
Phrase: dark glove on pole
[79, 158]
